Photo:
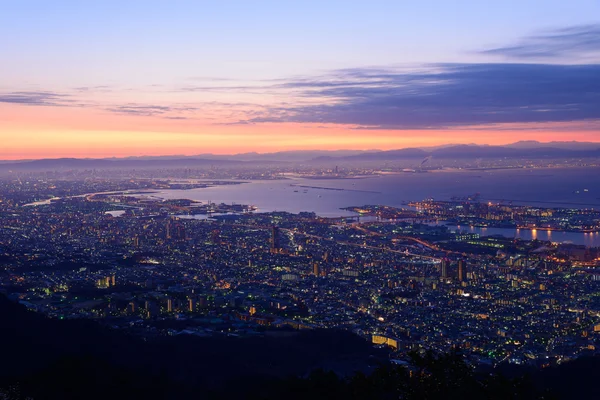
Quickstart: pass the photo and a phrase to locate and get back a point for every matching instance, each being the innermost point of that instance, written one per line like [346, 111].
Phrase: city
[150, 267]
[265, 200]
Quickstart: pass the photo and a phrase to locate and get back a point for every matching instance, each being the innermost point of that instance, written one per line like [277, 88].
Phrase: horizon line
[299, 151]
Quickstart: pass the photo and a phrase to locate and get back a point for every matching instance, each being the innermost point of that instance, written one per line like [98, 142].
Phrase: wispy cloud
[576, 41]
[89, 89]
[152, 110]
[210, 78]
[54, 99]
[37, 98]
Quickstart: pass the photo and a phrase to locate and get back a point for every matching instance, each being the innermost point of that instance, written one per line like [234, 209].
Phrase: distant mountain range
[76, 163]
[461, 152]
[523, 149]
[572, 145]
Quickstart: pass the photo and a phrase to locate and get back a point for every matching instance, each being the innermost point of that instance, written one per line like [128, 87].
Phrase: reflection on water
[589, 239]
[557, 188]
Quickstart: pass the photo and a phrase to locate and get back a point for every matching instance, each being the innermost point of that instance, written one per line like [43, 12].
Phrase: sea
[541, 187]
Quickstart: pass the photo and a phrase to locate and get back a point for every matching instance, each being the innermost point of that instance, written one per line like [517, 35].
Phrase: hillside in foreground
[54, 359]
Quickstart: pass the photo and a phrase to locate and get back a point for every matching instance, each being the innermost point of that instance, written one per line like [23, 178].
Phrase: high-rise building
[462, 270]
[180, 232]
[323, 270]
[151, 309]
[275, 239]
[203, 301]
[444, 268]
[316, 271]
[215, 236]
[169, 229]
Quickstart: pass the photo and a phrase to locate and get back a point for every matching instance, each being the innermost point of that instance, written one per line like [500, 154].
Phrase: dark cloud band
[447, 95]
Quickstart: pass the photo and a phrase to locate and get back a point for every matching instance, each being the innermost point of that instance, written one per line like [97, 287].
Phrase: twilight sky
[118, 78]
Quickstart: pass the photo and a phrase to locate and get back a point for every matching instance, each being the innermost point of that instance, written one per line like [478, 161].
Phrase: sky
[119, 78]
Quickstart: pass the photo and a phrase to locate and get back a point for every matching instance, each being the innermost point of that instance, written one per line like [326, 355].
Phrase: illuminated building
[275, 239]
[392, 342]
[462, 269]
[316, 269]
[444, 268]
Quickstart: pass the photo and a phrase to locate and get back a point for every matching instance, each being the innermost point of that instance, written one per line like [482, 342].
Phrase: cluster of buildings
[401, 284]
[502, 215]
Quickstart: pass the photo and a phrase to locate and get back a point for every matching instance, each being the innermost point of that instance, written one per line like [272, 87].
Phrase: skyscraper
[180, 232]
[275, 239]
[444, 268]
[214, 236]
[462, 270]
[316, 271]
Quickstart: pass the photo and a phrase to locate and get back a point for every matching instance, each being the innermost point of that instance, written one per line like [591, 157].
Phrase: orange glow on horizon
[54, 132]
